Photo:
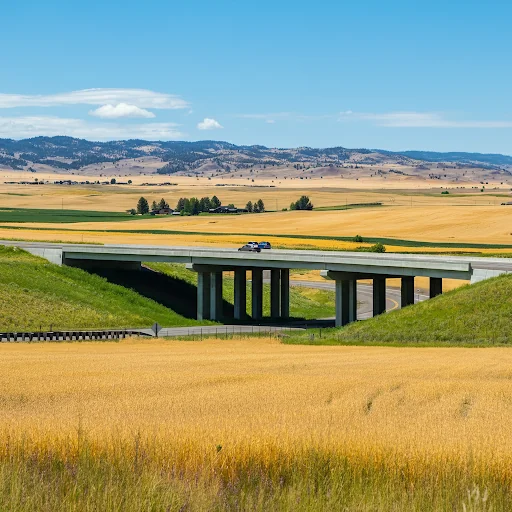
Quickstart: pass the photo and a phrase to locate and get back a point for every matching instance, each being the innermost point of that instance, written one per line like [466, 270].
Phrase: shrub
[378, 247]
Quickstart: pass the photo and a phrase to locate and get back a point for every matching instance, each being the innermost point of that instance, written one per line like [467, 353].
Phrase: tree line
[193, 205]
[256, 207]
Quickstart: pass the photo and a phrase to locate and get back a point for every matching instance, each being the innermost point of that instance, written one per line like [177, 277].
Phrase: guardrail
[67, 335]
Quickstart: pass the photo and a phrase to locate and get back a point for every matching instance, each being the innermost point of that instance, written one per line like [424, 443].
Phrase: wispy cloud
[209, 124]
[141, 98]
[418, 120]
[121, 110]
[32, 126]
[266, 117]
[278, 116]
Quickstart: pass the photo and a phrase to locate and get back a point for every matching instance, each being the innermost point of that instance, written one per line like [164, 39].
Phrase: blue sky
[394, 75]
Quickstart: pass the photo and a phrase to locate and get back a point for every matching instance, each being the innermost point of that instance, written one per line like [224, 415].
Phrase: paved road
[364, 296]
[221, 330]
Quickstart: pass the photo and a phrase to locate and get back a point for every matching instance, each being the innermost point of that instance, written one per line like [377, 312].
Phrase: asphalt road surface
[365, 296]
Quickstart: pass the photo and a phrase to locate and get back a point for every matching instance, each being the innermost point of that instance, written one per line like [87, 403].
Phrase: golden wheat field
[419, 425]
[485, 225]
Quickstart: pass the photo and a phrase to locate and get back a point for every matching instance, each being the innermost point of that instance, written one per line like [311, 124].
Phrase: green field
[60, 216]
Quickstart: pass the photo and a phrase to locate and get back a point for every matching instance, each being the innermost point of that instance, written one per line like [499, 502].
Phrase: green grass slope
[35, 294]
[479, 314]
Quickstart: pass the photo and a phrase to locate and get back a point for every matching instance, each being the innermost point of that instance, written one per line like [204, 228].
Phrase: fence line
[89, 335]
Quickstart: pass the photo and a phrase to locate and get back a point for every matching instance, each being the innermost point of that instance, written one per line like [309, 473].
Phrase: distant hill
[494, 159]
[169, 157]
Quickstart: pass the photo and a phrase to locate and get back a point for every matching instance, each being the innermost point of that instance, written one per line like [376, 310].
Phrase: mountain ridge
[68, 153]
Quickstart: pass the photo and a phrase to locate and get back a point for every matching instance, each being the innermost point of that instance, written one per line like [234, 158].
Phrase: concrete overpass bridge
[345, 268]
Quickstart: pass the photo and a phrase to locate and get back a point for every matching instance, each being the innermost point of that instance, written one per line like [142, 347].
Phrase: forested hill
[67, 153]
[456, 157]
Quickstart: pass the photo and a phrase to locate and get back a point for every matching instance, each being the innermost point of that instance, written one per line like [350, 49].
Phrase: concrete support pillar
[285, 293]
[257, 293]
[379, 295]
[216, 296]
[275, 292]
[203, 295]
[407, 291]
[352, 299]
[346, 301]
[240, 294]
[436, 286]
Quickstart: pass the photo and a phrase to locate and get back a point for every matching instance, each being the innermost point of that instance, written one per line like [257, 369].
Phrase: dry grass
[276, 194]
[419, 426]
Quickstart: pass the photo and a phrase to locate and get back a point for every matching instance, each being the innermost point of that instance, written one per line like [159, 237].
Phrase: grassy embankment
[479, 314]
[35, 294]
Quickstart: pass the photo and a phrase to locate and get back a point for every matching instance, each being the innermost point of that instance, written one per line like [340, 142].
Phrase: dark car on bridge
[264, 245]
[250, 248]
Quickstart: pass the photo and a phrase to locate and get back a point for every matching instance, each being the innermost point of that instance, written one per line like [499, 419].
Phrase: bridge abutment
[102, 264]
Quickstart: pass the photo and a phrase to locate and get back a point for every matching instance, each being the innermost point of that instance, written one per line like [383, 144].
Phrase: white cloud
[33, 126]
[419, 120]
[209, 124]
[142, 98]
[120, 110]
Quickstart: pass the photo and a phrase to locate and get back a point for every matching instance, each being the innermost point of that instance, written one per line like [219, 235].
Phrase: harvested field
[465, 224]
[254, 424]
